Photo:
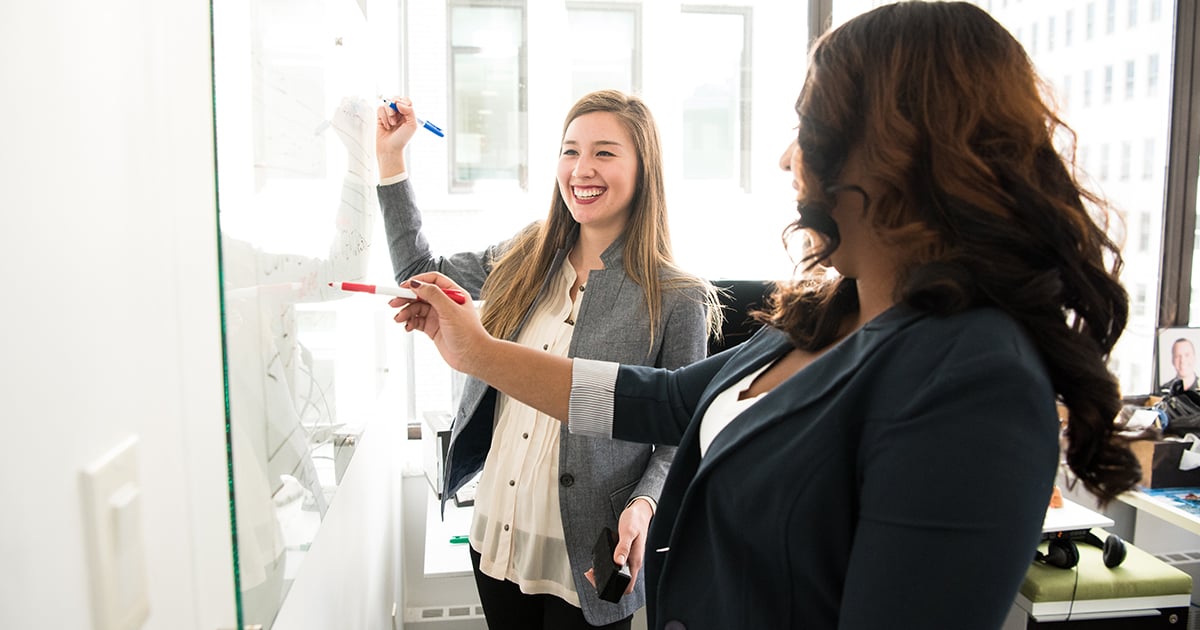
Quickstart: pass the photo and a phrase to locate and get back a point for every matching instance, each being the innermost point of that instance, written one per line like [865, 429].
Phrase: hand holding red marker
[457, 296]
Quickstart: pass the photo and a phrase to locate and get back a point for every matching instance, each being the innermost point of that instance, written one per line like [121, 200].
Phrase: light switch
[112, 508]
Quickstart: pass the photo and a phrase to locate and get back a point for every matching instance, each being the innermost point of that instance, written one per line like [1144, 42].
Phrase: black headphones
[1063, 553]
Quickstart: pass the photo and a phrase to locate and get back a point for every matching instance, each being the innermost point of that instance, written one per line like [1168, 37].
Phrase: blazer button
[567, 480]
[675, 625]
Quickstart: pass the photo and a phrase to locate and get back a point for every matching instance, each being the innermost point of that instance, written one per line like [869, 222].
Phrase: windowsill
[443, 558]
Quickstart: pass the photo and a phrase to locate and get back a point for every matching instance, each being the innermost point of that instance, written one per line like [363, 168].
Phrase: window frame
[455, 184]
[630, 7]
[1183, 169]
[745, 84]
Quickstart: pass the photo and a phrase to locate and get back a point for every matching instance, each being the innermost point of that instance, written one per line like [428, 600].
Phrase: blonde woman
[595, 279]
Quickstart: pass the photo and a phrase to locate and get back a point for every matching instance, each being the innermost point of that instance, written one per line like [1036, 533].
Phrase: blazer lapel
[764, 346]
[807, 386]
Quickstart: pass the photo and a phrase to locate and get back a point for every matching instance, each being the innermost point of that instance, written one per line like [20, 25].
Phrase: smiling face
[598, 171]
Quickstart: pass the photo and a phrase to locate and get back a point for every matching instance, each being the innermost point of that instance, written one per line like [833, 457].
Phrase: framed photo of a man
[1177, 357]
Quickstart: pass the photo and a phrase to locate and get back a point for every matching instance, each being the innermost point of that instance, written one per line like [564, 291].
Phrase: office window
[1109, 140]
[486, 186]
[1194, 306]
[710, 104]
[715, 84]
[1033, 39]
[605, 47]
[489, 139]
[1129, 80]
[1133, 13]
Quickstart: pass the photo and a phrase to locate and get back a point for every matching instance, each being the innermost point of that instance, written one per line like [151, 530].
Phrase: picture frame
[1164, 363]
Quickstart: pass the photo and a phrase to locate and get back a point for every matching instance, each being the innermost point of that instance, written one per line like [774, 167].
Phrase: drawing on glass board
[296, 179]
[283, 409]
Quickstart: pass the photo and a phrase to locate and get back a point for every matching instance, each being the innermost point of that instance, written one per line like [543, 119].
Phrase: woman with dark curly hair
[882, 452]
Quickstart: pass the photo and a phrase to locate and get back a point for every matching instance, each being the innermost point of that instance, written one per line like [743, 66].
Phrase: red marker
[454, 294]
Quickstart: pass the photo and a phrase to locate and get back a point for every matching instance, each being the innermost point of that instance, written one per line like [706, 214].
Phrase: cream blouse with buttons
[517, 527]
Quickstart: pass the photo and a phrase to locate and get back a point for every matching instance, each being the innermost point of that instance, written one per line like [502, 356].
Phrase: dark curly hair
[947, 112]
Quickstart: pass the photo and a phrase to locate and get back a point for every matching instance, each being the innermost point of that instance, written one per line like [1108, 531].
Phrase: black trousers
[507, 608]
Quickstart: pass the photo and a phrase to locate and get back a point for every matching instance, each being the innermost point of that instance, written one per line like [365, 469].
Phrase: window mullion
[1183, 167]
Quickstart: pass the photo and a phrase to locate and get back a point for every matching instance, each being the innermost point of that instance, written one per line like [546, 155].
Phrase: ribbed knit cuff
[591, 407]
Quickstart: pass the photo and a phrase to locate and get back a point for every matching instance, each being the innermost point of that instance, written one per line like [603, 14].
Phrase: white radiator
[1188, 562]
[454, 617]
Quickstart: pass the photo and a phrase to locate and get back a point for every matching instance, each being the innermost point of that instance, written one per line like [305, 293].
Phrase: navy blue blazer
[899, 481]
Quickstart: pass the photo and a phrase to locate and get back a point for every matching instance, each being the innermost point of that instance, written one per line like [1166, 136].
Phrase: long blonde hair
[513, 285]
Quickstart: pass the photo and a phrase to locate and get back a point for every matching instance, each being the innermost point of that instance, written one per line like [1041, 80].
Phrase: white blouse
[517, 526]
[725, 407]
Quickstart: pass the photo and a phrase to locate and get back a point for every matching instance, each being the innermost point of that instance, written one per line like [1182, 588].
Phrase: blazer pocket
[620, 498]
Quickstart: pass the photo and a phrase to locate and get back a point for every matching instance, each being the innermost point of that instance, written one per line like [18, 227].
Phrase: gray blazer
[597, 477]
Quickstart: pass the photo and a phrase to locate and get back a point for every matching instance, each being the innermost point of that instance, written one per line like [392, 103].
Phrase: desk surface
[1073, 516]
[443, 558]
[1164, 507]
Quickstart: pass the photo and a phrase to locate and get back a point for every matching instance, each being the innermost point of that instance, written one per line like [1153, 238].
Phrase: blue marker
[434, 129]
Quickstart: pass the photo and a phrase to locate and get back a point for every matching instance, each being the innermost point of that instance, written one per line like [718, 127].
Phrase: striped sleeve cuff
[394, 179]
[647, 499]
[591, 407]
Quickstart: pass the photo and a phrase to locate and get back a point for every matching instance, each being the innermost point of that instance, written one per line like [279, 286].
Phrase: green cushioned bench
[1141, 586]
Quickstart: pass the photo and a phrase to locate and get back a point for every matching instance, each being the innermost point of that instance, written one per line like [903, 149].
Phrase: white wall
[110, 326]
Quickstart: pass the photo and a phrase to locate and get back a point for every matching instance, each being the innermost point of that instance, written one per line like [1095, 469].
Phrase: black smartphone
[611, 579]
